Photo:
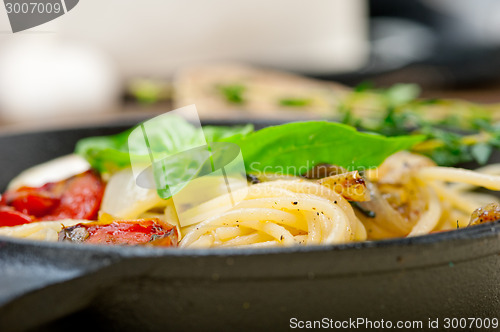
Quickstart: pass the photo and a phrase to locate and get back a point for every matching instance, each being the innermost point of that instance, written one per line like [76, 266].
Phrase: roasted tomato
[122, 232]
[36, 202]
[10, 217]
[78, 197]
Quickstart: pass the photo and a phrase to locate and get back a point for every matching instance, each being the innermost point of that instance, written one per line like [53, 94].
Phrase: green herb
[456, 131]
[289, 148]
[150, 91]
[233, 93]
[349, 119]
[400, 94]
[364, 86]
[218, 133]
[295, 102]
[105, 153]
[292, 147]
[169, 136]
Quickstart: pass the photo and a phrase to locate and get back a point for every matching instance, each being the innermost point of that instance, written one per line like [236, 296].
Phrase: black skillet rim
[483, 231]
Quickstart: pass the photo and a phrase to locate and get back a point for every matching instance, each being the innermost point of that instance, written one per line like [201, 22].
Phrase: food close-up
[249, 165]
[349, 194]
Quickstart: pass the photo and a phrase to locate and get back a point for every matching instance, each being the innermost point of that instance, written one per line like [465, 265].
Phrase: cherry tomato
[122, 232]
[31, 201]
[10, 217]
[78, 197]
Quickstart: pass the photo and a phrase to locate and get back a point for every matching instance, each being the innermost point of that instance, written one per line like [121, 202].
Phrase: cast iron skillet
[61, 286]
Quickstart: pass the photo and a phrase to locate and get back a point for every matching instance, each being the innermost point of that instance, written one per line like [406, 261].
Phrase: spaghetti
[408, 195]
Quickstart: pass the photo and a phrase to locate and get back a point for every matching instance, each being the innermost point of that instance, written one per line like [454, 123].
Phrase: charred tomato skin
[122, 232]
[78, 197]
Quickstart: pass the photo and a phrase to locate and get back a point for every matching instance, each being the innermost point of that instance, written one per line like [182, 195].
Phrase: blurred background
[281, 59]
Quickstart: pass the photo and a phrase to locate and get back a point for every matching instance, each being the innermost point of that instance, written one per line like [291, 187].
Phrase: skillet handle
[34, 274]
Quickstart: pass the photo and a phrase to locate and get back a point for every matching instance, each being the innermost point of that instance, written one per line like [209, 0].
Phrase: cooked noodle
[290, 212]
[409, 197]
[285, 212]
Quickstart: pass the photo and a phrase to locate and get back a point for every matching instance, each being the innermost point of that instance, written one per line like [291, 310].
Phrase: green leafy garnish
[456, 131]
[364, 86]
[295, 147]
[400, 94]
[110, 153]
[149, 91]
[290, 148]
[106, 154]
[233, 93]
[219, 133]
[295, 102]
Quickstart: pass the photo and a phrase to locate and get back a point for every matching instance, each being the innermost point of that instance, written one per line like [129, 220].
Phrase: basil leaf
[233, 93]
[108, 154]
[298, 146]
[295, 102]
[105, 153]
[218, 133]
[364, 86]
[289, 148]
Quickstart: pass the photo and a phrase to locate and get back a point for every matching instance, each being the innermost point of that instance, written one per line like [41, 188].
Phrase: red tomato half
[10, 217]
[78, 197]
[123, 232]
[81, 198]
[35, 202]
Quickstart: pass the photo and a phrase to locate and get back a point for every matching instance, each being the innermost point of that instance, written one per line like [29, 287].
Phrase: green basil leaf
[218, 133]
[286, 148]
[110, 153]
[293, 146]
[295, 102]
[105, 153]
[233, 93]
